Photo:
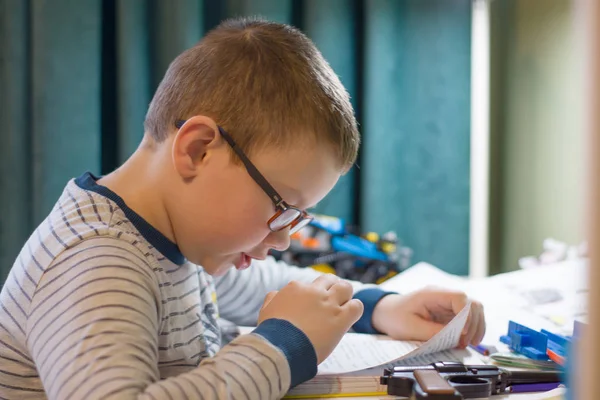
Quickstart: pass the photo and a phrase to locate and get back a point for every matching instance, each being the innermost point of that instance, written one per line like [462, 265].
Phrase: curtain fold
[15, 160]
[417, 127]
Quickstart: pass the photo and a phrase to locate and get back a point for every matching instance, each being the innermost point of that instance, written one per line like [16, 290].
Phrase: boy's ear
[193, 142]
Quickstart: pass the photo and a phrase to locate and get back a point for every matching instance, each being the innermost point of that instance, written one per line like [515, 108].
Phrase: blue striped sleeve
[241, 293]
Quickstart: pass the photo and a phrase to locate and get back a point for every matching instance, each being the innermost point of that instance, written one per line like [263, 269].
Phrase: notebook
[356, 364]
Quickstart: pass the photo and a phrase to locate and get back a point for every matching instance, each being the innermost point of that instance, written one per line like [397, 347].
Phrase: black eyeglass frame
[281, 205]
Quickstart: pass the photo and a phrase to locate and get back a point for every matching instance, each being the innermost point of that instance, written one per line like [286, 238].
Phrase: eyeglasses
[285, 215]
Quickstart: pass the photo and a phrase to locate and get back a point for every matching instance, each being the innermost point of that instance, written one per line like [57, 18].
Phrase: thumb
[269, 297]
[458, 300]
[425, 330]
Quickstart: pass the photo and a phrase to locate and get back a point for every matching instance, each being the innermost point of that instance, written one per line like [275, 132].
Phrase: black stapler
[456, 381]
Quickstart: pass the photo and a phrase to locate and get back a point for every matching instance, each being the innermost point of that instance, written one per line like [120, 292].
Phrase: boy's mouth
[243, 262]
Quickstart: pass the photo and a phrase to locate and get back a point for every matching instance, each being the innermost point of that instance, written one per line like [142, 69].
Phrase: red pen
[555, 357]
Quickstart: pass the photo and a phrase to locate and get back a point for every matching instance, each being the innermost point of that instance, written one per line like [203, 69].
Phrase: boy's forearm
[118, 360]
[261, 365]
[250, 367]
[240, 294]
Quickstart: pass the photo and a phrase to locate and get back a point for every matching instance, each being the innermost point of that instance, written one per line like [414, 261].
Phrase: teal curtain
[76, 78]
[416, 127]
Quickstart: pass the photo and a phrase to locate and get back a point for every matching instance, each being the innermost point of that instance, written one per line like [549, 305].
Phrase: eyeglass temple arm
[254, 173]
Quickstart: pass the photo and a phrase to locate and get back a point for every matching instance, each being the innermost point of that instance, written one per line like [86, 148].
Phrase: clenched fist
[324, 310]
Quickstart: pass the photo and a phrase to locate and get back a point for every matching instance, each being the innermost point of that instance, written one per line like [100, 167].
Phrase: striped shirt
[99, 304]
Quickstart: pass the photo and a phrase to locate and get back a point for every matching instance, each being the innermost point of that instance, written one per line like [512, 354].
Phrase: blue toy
[329, 245]
[559, 345]
[539, 345]
[526, 341]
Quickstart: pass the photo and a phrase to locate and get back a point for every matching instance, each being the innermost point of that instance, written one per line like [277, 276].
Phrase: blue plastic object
[357, 246]
[526, 341]
[333, 225]
[557, 343]
[533, 344]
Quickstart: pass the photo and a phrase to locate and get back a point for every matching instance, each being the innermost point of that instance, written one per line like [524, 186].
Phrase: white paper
[357, 352]
[507, 297]
[464, 356]
[420, 276]
[361, 351]
[448, 337]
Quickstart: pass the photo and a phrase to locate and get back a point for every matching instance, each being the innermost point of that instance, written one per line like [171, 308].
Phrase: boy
[107, 300]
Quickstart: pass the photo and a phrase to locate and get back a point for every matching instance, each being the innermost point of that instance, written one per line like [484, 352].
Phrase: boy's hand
[324, 310]
[422, 314]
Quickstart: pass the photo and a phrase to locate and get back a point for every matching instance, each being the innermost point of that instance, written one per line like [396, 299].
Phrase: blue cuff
[369, 297]
[296, 346]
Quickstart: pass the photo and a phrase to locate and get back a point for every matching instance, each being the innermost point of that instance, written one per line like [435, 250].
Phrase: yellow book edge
[334, 395]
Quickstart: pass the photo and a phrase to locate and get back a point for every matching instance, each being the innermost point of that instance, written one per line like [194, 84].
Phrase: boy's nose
[279, 240]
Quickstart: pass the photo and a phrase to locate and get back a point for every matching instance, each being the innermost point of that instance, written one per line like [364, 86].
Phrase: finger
[269, 297]
[472, 328]
[326, 281]
[447, 305]
[458, 301]
[424, 330]
[465, 329]
[341, 292]
[352, 311]
[480, 332]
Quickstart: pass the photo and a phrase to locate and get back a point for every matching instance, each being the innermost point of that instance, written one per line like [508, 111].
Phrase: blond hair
[265, 83]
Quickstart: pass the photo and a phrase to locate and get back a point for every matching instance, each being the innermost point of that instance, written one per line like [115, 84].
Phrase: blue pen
[481, 349]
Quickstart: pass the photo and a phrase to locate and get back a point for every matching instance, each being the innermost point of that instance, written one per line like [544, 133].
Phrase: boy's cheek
[252, 237]
[242, 234]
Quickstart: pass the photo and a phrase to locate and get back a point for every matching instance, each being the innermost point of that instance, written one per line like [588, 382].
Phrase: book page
[357, 352]
[447, 338]
[460, 355]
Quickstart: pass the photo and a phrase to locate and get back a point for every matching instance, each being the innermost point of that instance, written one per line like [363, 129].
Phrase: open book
[354, 367]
